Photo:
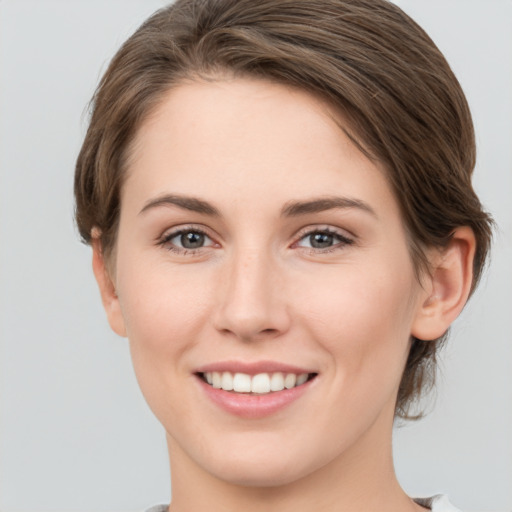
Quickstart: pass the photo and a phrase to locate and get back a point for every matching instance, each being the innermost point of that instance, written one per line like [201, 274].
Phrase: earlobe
[107, 288]
[447, 287]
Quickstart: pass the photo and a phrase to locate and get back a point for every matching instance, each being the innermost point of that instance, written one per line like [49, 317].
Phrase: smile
[261, 383]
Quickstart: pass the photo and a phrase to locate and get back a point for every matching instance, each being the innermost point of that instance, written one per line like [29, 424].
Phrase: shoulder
[158, 508]
[438, 503]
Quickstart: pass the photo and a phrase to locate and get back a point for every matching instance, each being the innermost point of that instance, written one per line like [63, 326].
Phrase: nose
[252, 301]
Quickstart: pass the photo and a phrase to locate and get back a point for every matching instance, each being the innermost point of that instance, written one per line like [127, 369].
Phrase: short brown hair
[368, 59]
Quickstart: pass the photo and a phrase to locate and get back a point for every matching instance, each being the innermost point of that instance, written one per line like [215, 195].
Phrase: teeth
[227, 381]
[261, 383]
[290, 380]
[216, 380]
[241, 383]
[303, 377]
[277, 382]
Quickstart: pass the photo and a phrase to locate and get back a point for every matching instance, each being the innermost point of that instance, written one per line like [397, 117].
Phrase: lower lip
[251, 406]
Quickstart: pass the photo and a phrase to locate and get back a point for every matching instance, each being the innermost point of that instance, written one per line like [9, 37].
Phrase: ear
[107, 287]
[448, 286]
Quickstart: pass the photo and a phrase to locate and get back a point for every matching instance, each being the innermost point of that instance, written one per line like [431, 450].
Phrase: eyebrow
[296, 208]
[290, 209]
[187, 203]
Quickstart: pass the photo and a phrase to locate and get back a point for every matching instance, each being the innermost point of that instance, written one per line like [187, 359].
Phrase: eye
[189, 240]
[184, 240]
[323, 239]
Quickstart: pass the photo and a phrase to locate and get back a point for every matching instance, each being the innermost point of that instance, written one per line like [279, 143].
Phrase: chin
[263, 462]
[248, 473]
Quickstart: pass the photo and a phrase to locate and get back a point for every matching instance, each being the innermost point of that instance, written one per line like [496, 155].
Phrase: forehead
[247, 136]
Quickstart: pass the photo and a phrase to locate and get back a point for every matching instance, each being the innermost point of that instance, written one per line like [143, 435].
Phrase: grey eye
[324, 240]
[188, 239]
[192, 240]
[321, 240]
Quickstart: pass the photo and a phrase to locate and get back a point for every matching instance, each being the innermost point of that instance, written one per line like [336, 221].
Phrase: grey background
[75, 433]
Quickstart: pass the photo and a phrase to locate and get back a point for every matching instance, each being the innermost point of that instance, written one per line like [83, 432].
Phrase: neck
[362, 479]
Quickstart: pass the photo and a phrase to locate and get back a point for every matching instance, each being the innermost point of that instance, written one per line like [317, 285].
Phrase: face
[259, 249]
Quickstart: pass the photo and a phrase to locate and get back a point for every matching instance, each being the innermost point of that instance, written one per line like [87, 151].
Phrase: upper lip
[252, 368]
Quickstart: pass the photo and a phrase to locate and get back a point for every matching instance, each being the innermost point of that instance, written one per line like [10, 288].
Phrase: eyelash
[165, 241]
[342, 240]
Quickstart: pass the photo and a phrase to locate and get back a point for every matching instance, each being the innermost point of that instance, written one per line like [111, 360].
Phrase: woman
[278, 197]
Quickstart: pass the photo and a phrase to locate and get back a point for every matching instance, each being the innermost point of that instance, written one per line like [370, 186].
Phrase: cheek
[165, 312]
[362, 318]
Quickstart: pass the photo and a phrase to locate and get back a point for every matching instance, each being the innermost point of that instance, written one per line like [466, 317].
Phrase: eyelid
[324, 228]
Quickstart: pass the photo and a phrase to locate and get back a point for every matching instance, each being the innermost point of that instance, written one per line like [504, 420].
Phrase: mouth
[258, 384]
[257, 389]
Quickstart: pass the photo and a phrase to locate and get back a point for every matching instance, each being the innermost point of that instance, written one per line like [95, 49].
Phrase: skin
[258, 290]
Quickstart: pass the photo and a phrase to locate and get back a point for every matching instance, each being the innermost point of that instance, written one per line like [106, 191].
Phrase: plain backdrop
[75, 433]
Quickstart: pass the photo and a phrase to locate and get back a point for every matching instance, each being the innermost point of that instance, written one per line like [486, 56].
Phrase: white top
[438, 503]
